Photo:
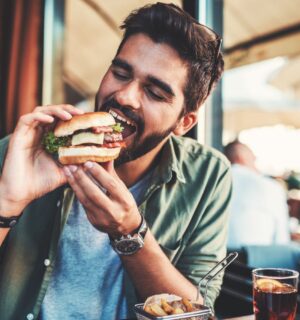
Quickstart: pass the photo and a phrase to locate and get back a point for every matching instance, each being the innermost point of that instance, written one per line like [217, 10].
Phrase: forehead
[159, 60]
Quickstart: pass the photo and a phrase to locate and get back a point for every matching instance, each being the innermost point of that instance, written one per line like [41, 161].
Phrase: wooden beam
[105, 16]
[246, 117]
[281, 43]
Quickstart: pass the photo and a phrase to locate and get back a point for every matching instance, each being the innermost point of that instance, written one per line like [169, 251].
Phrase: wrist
[131, 243]
[8, 222]
[9, 213]
[136, 225]
[9, 209]
[130, 228]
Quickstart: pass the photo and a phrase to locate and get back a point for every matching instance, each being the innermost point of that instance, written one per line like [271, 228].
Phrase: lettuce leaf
[51, 143]
[117, 127]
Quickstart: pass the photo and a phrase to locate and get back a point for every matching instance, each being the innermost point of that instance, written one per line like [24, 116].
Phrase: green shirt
[185, 206]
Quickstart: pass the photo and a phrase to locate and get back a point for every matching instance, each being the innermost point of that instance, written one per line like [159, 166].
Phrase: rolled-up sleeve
[207, 245]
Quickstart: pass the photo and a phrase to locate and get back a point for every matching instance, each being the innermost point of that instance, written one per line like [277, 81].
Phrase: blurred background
[56, 51]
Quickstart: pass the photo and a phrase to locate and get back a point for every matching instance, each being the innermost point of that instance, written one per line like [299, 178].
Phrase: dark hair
[196, 44]
[231, 150]
[234, 150]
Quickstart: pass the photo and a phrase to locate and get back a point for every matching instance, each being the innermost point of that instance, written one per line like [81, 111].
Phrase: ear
[186, 123]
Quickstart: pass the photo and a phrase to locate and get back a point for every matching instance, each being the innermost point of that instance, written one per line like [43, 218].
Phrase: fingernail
[73, 168]
[89, 164]
[68, 116]
[67, 172]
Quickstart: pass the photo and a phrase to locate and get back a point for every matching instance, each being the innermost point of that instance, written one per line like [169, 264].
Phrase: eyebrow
[161, 84]
[117, 62]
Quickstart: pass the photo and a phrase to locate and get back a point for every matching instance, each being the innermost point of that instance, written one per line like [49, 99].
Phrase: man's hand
[29, 172]
[114, 211]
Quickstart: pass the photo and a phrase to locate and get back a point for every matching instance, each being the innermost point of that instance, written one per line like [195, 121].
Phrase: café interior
[54, 51]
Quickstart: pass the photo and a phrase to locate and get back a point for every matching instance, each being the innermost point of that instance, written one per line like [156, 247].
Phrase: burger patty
[112, 137]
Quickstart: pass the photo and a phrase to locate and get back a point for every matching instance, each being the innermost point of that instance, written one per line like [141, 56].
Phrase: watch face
[128, 246]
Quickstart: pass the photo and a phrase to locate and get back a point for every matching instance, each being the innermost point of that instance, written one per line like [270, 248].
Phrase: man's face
[144, 86]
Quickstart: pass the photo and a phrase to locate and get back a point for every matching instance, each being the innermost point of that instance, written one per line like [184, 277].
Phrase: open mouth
[128, 125]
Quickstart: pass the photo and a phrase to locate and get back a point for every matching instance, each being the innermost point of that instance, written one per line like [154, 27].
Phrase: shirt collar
[170, 163]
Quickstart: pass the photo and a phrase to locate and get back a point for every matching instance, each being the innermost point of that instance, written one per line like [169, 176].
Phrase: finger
[105, 165]
[79, 191]
[98, 214]
[110, 168]
[109, 180]
[81, 196]
[63, 112]
[91, 191]
[67, 107]
[31, 121]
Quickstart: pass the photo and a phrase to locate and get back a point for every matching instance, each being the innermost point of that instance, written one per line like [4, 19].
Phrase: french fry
[157, 310]
[148, 309]
[177, 311]
[168, 304]
[178, 304]
[168, 308]
[188, 305]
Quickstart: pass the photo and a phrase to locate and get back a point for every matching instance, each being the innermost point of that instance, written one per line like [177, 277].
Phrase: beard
[140, 146]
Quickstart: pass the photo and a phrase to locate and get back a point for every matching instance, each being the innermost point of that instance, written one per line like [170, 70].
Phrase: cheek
[106, 88]
[151, 114]
[158, 119]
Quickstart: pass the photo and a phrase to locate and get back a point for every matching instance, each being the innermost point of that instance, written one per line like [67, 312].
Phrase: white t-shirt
[259, 212]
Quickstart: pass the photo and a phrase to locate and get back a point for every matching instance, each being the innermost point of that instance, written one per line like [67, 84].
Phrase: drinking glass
[275, 293]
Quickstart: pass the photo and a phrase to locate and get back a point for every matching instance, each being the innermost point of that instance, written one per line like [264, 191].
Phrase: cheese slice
[87, 137]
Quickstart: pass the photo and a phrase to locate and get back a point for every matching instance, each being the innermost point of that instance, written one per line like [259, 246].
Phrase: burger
[93, 136]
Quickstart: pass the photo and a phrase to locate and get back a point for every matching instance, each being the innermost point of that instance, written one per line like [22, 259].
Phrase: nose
[129, 95]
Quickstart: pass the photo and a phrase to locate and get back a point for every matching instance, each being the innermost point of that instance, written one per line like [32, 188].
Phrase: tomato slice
[115, 144]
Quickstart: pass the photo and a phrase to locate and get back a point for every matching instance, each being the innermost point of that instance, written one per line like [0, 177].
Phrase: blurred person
[258, 211]
[79, 253]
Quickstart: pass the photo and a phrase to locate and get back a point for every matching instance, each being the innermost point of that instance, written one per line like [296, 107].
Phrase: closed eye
[120, 75]
[154, 95]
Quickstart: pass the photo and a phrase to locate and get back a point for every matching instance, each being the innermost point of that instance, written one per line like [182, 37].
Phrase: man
[58, 261]
[258, 211]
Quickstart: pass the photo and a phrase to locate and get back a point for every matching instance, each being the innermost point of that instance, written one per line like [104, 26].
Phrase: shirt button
[47, 262]
[30, 316]
[58, 203]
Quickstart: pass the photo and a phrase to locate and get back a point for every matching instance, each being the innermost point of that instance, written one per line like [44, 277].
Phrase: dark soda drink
[275, 302]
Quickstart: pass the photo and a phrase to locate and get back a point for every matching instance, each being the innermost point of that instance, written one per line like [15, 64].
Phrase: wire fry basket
[203, 312]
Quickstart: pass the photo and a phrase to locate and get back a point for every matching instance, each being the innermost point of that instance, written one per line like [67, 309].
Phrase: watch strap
[142, 229]
[8, 222]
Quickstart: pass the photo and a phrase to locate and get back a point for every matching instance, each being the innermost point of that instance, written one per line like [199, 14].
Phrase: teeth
[117, 116]
[114, 114]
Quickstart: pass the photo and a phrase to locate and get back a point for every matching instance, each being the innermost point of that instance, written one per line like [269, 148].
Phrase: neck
[132, 171]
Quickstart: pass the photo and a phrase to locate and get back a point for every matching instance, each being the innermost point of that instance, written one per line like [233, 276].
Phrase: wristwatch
[130, 244]
[8, 222]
